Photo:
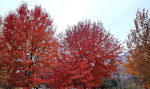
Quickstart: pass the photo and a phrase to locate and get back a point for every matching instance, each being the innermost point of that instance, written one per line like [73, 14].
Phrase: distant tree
[28, 46]
[108, 83]
[134, 86]
[88, 53]
[138, 43]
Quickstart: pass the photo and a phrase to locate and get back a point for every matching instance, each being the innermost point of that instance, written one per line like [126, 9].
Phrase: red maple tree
[3, 75]
[29, 43]
[88, 53]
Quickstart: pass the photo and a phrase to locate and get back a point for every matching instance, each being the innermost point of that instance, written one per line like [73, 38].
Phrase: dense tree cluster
[30, 54]
[84, 56]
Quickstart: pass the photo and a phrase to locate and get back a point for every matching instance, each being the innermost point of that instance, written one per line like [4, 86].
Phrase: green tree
[108, 83]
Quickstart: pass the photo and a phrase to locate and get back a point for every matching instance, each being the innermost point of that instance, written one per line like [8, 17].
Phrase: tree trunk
[84, 85]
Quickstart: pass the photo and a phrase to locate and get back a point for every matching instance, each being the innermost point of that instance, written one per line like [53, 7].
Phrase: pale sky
[117, 16]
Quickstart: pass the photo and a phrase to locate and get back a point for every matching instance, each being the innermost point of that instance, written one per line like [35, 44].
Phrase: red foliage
[87, 54]
[30, 46]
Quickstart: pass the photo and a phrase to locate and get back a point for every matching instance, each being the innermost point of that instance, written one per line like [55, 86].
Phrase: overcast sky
[117, 16]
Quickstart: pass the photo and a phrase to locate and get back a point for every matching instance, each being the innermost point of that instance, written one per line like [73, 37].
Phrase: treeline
[82, 57]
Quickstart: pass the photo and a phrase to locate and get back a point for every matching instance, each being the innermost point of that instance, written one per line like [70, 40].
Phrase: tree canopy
[138, 44]
[88, 53]
[28, 46]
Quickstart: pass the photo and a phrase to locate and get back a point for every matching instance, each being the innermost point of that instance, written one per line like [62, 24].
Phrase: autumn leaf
[29, 46]
[88, 53]
[138, 43]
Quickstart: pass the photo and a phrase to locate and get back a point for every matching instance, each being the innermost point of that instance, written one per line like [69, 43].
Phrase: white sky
[116, 15]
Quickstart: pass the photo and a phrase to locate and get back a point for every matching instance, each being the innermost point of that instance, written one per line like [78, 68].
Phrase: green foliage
[108, 83]
[134, 86]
